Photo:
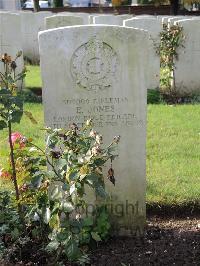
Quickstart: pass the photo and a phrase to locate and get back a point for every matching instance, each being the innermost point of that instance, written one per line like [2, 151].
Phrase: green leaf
[52, 246]
[15, 116]
[30, 116]
[37, 180]
[15, 233]
[47, 215]
[101, 191]
[72, 250]
[75, 198]
[88, 221]
[56, 193]
[56, 208]
[95, 236]
[54, 221]
[72, 189]
[63, 236]
[99, 162]
[60, 163]
[73, 175]
[3, 124]
[67, 206]
[52, 140]
[91, 179]
[82, 177]
[75, 226]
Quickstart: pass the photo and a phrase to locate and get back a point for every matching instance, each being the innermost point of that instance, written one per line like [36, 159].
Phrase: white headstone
[85, 16]
[110, 19]
[91, 17]
[176, 18]
[154, 27]
[100, 73]
[193, 17]
[11, 38]
[31, 24]
[164, 19]
[10, 4]
[62, 21]
[187, 78]
[145, 16]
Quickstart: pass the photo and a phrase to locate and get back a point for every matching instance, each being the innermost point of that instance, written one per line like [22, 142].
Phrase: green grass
[33, 77]
[173, 151]
[26, 128]
[173, 154]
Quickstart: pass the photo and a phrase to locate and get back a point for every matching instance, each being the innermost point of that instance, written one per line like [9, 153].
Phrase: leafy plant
[171, 38]
[54, 199]
[153, 96]
[51, 185]
[11, 106]
[10, 225]
[75, 158]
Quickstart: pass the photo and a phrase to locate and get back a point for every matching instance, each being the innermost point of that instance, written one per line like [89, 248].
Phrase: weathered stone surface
[85, 17]
[154, 27]
[187, 78]
[91, 17]
[176, 18]
[11, 38]
[31, 24]
[164, 19]
[110, 19]
[100, 73]
[10, 4]
[62, 21]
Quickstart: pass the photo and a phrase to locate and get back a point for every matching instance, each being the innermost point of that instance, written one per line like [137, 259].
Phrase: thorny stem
[12, 159]
[14, 176]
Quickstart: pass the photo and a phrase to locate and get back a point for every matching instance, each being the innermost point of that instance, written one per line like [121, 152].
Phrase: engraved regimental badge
[95, 65]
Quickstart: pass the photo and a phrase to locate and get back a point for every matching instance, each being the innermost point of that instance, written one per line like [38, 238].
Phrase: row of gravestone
[22, 34]
[100, 72]
[187, 81]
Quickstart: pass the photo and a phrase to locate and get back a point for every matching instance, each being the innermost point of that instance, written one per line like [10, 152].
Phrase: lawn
[173, 150]
[173, 154]
[25, 127]
[33, 77]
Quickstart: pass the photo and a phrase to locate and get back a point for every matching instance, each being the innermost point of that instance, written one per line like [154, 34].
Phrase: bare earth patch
[167, 242]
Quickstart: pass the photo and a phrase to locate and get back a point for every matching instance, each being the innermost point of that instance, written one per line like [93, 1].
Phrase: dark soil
[166, 241]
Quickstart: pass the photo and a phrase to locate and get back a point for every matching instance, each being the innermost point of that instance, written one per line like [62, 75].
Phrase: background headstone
[85, 16]
[62, 21]
[154, 27]
[31, 24]
[10, 4]
[100, 73]
[11, 38]
[176, 18]
[110, 19]
[187, 78]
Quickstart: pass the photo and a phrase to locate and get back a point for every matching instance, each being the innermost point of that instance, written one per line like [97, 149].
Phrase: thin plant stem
[12, 159]
[14, 175]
